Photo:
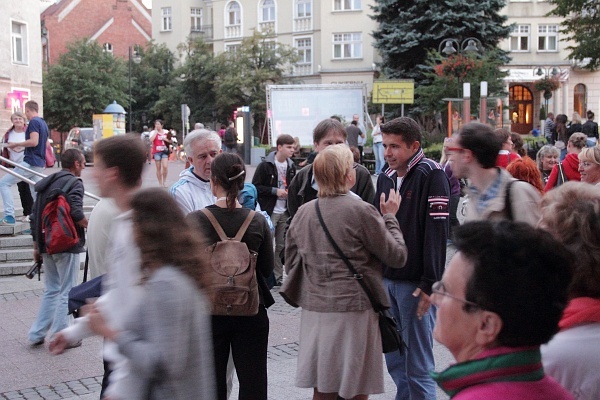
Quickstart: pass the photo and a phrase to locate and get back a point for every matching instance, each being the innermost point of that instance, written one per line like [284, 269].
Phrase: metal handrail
[27, 180]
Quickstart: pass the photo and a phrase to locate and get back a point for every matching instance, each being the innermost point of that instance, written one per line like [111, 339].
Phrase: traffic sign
[394, 92]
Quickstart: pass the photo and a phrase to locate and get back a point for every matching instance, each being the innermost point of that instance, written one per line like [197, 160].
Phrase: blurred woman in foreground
[340, 342]
[167, 338]
[572, 214]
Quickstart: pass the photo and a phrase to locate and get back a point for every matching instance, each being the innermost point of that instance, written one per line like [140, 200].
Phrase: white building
[333, 37]
[20, 57]
[537, 51]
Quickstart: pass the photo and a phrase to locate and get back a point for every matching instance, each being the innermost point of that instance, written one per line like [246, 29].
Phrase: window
[268, 10]
[580, 99]
[108, 48]
[347, 45]
[304, 49]
[547, 38]
[234, 13]
[519, 38]
[232, 48]
[346, 5]
[19, 43]
[196, 19]
[166, 19]
[303, 8]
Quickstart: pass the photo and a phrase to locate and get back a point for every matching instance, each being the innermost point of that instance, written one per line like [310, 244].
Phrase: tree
[83, 82]
[447, 74]
[409, 29]
[244, 74]
[150, 78]
[582, 26]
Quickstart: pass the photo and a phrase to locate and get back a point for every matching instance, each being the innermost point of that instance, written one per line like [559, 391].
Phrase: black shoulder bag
[390, 337]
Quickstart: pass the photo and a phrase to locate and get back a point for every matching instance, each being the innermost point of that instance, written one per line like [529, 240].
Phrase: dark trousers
[247, 337]
[26, 198]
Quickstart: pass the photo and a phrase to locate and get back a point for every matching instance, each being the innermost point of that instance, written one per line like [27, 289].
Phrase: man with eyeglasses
[498, 301]
[493, 193]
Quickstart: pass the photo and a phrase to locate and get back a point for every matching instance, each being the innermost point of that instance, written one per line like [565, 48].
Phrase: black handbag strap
[359, 277]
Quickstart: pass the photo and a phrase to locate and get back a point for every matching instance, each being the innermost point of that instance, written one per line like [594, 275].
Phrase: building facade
[537, 51]
[333, 37]
[21, 58]
[115, 24]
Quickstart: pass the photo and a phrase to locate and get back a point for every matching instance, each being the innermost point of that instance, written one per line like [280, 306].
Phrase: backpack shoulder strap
[215, 224]
[69, 184]
[244, 226]
[507, 201]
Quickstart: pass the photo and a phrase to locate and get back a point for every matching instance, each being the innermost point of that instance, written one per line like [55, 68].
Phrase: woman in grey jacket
[340, 342]
[167, 340]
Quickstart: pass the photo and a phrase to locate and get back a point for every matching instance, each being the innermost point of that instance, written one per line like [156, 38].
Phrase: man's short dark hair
[325, 127]
[127, 153]
[284, 139]
[69, 157]
[482, 141]
[355, 123]
[32, 105]
[521, 274]
[405, 127]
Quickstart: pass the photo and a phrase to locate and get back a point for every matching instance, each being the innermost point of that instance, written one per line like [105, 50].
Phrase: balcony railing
[233, 31]
[268, 26]
[302, 69]
[205, 32]
[302, 24]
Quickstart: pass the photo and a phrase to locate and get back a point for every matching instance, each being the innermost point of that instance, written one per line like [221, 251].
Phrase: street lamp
[547, 72]
[449, 47]
[134, 56]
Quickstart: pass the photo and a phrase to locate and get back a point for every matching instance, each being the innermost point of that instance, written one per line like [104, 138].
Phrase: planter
[256, 155]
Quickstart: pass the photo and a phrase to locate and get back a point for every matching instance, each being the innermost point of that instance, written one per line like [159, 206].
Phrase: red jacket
[571, 170]
[503, 160]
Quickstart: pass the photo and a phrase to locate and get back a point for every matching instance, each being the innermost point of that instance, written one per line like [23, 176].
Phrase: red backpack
[58, 229]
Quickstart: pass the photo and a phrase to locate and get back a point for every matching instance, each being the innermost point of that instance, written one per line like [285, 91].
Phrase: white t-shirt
[281, 204]
[17, 153]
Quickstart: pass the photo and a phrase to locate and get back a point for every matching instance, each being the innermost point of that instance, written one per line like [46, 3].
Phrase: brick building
[114, 24]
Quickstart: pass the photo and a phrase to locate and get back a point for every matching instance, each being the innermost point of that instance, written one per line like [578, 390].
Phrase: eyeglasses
[439, 288]
[586, 164]
[456, 149]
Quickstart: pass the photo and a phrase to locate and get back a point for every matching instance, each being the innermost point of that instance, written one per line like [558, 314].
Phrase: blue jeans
[60, 275]
[8, 180]
[410, 371]
[379, 157]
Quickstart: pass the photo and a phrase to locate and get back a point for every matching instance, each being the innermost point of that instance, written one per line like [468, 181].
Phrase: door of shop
[521, 109]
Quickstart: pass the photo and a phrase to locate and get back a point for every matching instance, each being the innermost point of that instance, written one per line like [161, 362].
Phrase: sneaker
[37, 343]
[7, 220]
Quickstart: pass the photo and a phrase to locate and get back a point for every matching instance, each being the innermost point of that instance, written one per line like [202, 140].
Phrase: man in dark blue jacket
[61, 269]
[424, 219]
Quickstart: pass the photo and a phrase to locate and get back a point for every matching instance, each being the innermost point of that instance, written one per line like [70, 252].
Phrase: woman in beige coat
[340, 342]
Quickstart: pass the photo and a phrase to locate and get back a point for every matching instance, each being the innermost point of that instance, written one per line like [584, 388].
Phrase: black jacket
[75, 199]
[590, 128]
[423, 217]
[266, 181]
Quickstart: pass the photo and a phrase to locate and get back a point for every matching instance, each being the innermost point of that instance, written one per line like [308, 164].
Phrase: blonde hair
[571, 213]
[578, 140]
[590, 154]
[576, 118]
[330, 169]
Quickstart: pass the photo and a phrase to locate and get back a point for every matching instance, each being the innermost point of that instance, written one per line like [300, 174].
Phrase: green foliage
[243, 74]
[582, 26]
[83, 82]
[434, 151]
[443, 83]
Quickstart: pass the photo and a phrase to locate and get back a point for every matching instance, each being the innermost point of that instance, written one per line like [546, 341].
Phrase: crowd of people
[517, 306]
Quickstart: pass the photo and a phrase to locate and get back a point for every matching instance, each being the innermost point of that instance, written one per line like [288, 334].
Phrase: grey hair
[543, 152]
[200, 135]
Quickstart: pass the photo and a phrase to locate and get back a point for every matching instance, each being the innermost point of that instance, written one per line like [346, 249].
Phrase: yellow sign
[394, 92]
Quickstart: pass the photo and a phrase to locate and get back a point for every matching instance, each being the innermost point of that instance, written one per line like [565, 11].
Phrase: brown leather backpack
[230, 281]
